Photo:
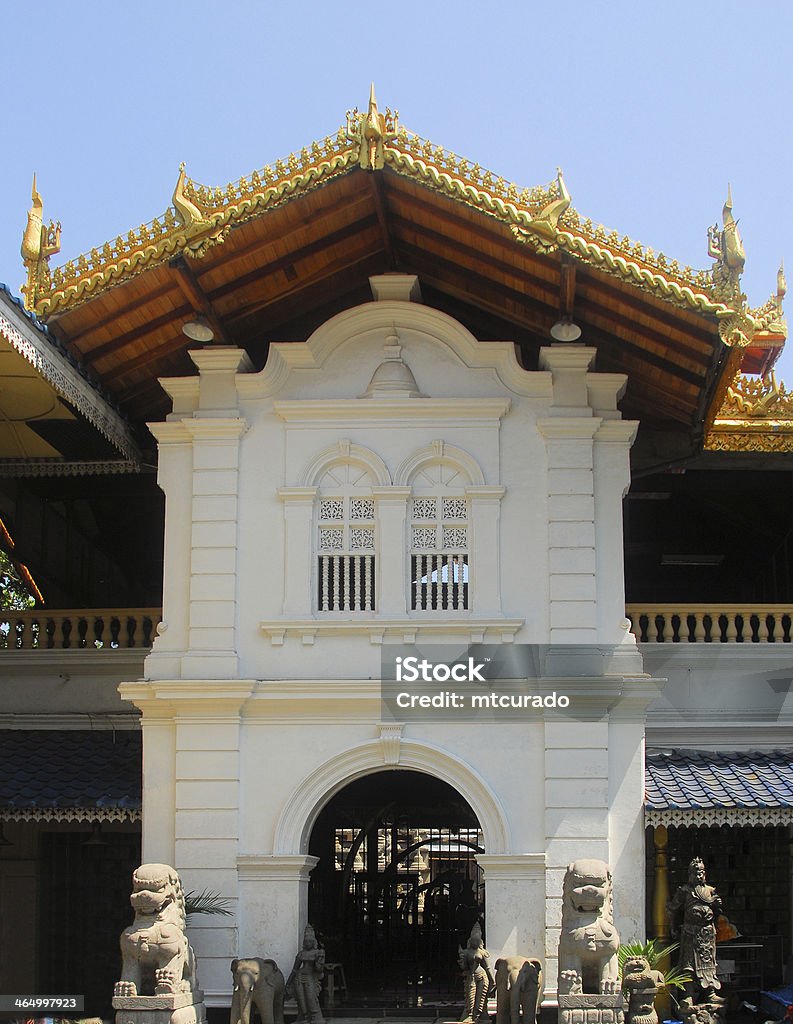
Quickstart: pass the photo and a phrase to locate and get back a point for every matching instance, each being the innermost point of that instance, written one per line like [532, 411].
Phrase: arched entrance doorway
[397, 887]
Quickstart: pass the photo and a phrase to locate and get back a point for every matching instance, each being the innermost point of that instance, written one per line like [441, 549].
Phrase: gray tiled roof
[70, 768]
[703, 779]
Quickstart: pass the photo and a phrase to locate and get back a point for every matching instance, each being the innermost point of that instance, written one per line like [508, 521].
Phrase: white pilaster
[514, 881]
[571, 529]
[576, 813]
[174, 476]
[273, 905]
[299, 549]
[392, 581]
[213, 560]
[485, 504]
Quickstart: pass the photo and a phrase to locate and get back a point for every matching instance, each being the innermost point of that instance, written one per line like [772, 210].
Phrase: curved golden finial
[734, 254]
[201, 232]
[781, 283]
[545, 223]
[39, 242]
[31, 239]
[189, 213]
[726, 248]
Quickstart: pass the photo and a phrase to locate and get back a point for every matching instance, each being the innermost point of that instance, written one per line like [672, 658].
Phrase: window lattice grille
[331, 509]
[424, 536]
[454, 537]
[439, 554]
[331, 539]
[345, 557]
[455, 508]
[362, 538]
[361, 508]
[425, 508]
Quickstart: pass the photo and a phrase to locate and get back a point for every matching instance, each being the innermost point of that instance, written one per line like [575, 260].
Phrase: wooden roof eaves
[404, 154]
[67, 378]
[340, 235]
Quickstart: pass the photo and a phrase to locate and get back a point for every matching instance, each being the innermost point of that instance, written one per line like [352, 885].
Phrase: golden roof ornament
[781, 285]
[542, 229]
[372, 131]
[39, 242]
[726, 248]
[193, 222]
[542, 217]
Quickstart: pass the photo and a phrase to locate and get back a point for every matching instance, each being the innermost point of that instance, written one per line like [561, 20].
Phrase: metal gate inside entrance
[397, 888]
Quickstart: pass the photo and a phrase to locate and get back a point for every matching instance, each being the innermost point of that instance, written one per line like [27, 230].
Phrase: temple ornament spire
[726, 248]
[39, 242]
[372, 131]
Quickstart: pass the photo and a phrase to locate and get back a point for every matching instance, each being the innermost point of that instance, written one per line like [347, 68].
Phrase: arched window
[346, 541]
[439, 539]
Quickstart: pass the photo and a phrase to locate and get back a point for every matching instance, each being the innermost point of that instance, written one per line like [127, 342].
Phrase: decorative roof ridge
[541, 217]
[670, 752]
[199, 219]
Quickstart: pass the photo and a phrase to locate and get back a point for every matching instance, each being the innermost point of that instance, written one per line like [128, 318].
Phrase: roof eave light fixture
[198, 329]
[565, 330]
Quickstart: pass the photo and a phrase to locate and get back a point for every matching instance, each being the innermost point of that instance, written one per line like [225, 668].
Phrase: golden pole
[660, 916]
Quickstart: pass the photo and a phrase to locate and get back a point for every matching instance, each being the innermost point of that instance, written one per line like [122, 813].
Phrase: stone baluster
[699, 626]
[732, 627]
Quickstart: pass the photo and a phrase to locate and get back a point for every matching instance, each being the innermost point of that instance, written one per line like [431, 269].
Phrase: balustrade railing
[83, 629]
[711, 624]
[130, 628]
[346, 583]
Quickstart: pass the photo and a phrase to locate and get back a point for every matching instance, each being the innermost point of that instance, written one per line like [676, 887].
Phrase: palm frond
[655, 953]
[207, 902]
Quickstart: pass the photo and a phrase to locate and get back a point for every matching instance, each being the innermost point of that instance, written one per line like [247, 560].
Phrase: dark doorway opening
[397, 888]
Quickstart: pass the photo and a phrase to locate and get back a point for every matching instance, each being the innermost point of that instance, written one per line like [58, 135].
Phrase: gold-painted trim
[541, 217]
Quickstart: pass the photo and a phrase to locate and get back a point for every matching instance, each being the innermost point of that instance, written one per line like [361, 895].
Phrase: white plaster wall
[252, 723]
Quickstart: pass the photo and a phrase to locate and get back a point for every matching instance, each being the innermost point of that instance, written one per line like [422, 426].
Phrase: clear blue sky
[649, 108]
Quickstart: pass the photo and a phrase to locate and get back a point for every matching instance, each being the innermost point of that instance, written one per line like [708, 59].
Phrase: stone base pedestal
[590, 1008]
[179, 1008]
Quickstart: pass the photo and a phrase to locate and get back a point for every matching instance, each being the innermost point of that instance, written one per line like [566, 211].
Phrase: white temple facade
[392, 480]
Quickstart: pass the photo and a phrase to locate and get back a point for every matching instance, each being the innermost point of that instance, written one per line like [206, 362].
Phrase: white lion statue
[589, 941]
[156, 956]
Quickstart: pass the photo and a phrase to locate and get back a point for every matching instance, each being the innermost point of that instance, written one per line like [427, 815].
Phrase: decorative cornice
[512, 866]
[65, 467]
[283, 868]
[460, 411]
[540, 217]
[767, 440]
[70, 814]
[35, 347]
[394, 630]
[685, 818]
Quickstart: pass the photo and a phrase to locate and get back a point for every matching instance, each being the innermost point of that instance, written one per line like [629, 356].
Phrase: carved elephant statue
[261, 983]
[518, 987]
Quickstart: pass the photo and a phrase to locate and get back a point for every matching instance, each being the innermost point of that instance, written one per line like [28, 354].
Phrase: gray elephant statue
[261, 983]
[518, 988]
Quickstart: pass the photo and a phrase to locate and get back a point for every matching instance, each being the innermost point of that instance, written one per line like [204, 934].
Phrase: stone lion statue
[156, 958]
[258, 983]
[642, 983]
[589, 941]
